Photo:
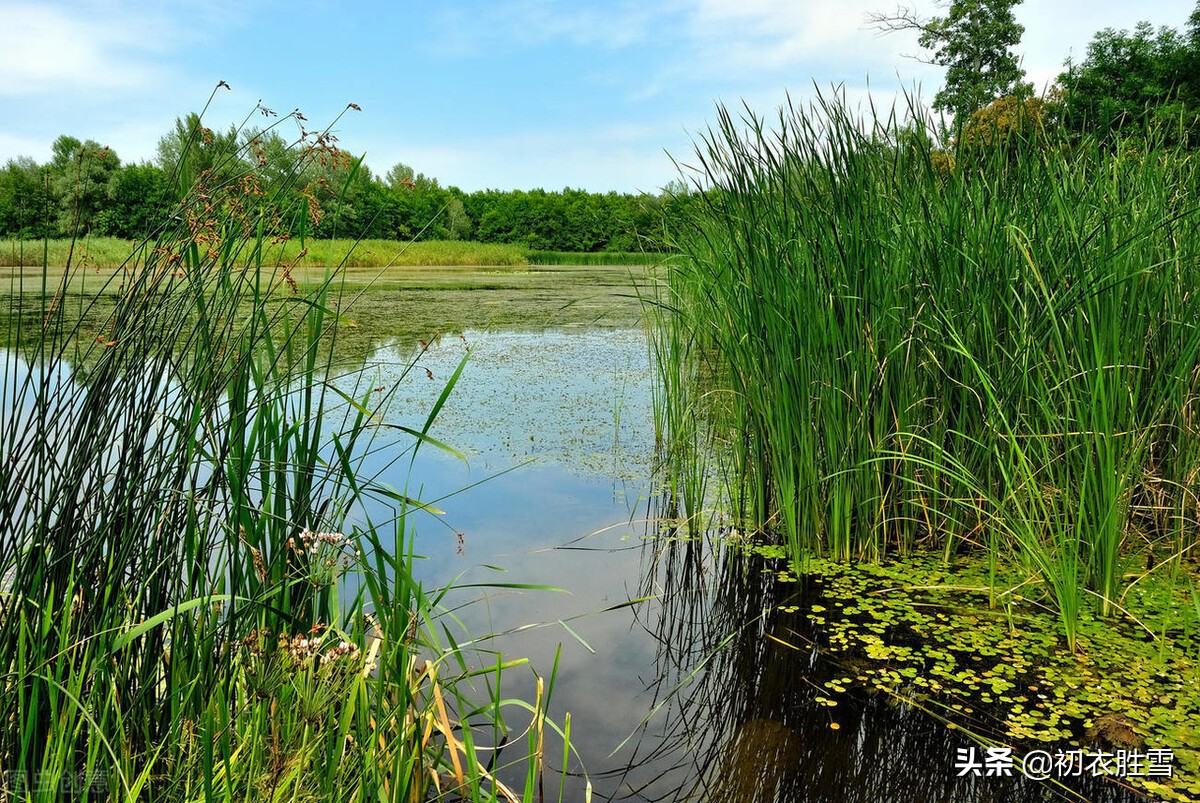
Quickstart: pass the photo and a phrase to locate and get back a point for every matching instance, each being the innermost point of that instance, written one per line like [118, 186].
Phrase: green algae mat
[987, 659]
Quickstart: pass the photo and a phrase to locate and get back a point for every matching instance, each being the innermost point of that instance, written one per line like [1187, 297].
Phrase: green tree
[139, 199]
[1141, 79]
[63, 151]
[80, 173]
[192, 151]
[458, 223]
[27, 208]
[272, 156]
[400, 177]
[974, 42]
[342, 188]
[418, 207]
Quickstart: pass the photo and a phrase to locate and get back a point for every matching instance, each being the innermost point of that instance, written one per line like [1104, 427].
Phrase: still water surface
[673, 656]
[670, 657]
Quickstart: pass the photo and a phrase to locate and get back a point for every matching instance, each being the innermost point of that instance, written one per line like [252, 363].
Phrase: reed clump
[994, 349]
[200, 598]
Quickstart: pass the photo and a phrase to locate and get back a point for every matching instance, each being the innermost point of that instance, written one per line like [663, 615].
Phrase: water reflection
[684, 678]
[744, 716]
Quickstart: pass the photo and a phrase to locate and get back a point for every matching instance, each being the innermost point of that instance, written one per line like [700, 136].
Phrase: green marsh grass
[615, 258]
[998, 351]
[113, 252]
[682, 413]
[110, 253]
[200, 599]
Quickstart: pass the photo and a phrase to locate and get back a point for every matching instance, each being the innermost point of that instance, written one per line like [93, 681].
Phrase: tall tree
[80, 176]
[193, 151]
[27, 207]
[1142, 79]
[402, 176]
[63, 152]
[974, 42]
[139, 199]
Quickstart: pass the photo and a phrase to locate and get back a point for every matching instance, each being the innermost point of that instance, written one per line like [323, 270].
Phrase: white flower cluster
[301, 648]
[312, 542]
[324, 551]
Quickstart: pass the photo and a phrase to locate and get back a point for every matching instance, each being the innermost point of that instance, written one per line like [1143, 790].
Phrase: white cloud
[52, 49]
[760, 41]
[13, 145]
[755, 48]
[751, 35]
[612, 25]
[712, 35]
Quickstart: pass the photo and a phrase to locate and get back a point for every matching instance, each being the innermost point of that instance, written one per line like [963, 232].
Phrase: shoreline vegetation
[979, 367]
[207, 594]
[949, 383]
[112, 253]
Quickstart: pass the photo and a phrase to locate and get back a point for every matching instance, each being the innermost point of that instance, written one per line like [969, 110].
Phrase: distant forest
[85, 189]
[1140, 88]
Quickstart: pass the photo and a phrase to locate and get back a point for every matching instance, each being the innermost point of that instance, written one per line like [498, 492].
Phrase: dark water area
[773, 728]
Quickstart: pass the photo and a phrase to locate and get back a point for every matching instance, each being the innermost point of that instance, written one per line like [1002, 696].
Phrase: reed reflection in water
[737, 705]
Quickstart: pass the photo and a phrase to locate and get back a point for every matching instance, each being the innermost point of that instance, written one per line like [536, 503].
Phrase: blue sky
[505, 94]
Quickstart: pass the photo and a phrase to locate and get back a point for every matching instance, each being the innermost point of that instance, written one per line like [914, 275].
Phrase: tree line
[1144, 82]
[85, 189]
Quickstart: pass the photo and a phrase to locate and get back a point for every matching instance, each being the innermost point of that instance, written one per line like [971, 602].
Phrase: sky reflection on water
[684, 693]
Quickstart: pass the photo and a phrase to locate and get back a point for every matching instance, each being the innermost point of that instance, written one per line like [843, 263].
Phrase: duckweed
[919, 632]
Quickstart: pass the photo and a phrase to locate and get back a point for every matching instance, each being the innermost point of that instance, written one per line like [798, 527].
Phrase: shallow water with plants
[555, 422]
[954, 388]
[446, 533]
[191, 609]
[691, 669]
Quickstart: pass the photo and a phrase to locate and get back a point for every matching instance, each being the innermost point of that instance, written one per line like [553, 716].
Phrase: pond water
[669, 653]
[681, 665]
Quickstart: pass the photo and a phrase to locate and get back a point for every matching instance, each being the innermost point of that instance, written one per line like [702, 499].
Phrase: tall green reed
[200, 599]
[993, 348]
